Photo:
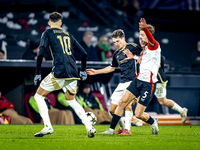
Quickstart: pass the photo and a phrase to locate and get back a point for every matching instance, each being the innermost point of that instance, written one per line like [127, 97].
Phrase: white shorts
[161, 90]
[119, 92]
[50, 83]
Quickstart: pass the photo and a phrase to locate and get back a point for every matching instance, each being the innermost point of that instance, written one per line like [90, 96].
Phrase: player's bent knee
[122, 105]
[111, 111]
[42, 92]
[70, 95]
[161, 101]
[37, 96]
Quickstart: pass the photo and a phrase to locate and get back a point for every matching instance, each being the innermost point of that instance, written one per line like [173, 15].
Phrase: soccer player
[143, 86]
[128, 73]
[161, 90]
[161, 93]
[64, 73]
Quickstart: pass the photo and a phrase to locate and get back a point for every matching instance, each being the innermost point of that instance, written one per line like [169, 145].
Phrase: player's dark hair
[55, 16]
[150, 28]
[118, 33]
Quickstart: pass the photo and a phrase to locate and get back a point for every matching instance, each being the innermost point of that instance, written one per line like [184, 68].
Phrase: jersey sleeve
[153, 44]
[162, 62]
[44, 42]
[114, 61]
[134, 48]
[77, 47]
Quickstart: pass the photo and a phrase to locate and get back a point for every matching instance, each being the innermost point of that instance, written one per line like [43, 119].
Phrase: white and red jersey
[150, 60]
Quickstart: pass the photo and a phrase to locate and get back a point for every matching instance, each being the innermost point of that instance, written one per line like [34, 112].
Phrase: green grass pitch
[74, 137]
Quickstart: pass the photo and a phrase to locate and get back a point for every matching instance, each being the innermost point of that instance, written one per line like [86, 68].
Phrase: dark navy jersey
[161, 74]
[129, 68]
[61, 44]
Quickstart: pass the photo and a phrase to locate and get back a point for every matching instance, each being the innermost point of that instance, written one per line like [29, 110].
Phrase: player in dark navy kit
[64, 74]
[128, 73]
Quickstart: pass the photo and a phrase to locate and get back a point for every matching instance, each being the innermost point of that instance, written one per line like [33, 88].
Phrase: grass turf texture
[20, 137]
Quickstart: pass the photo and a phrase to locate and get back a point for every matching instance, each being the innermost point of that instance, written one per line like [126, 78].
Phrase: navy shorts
[143, 89]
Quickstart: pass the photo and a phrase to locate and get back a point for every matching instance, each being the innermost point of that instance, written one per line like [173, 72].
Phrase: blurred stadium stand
[175, 22]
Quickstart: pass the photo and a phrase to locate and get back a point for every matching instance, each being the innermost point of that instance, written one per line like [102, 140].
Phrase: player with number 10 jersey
[64, 74]
[62, 42]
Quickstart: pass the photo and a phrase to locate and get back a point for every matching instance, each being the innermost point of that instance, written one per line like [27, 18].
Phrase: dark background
[177, 21]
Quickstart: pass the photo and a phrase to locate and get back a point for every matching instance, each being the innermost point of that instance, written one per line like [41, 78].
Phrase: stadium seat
[27, 96]
[26, 99]
[52, 99]
[101, 99]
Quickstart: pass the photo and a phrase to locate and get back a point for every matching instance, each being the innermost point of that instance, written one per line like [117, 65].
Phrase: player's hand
[37, 79]
[142, 23]
[128, 54]
[83, 75]
[139, 60]
[91, 71]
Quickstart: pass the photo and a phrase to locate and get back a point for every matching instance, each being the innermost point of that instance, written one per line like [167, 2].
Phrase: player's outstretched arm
[143, 25]
[100, 71]
[91, 72]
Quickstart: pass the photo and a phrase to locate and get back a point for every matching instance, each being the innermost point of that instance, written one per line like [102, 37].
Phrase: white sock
[121, 124]
[43, 110]
[80, 113]
[128, 118]
[178, 108]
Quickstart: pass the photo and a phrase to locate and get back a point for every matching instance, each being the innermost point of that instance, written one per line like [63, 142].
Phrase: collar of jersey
[56, 28]
[123, 48]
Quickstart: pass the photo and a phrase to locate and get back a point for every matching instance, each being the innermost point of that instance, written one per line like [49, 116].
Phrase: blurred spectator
[86, 99]
[131, 7]
[86, 43]
[104, 48]
[91, 103]
[7, 109]
[195, 58]
[33, 49]
[131, 10]
[2, 54]
[3, 48]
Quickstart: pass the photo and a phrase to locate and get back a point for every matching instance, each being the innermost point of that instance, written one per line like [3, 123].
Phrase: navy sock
[114, 121]
[150, 121]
